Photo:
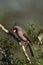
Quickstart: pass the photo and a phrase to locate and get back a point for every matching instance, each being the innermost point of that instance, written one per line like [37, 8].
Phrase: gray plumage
[23, 36]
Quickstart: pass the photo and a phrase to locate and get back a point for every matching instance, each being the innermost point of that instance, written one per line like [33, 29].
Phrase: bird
[23, 36]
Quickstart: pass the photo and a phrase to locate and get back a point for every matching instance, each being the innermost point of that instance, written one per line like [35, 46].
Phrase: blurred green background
[22, 12]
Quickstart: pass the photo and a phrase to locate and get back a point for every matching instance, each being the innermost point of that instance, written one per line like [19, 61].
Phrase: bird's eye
[14, 30]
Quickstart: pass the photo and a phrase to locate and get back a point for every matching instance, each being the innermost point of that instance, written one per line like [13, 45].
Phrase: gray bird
[23, 36]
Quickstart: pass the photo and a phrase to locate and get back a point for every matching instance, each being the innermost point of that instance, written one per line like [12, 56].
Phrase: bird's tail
[30, 49]
[30, 43]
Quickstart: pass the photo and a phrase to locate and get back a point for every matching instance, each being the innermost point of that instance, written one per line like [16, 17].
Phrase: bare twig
[3, 28]
[24, 50]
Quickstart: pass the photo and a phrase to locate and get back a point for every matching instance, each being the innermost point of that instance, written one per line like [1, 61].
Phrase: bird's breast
[20, 34]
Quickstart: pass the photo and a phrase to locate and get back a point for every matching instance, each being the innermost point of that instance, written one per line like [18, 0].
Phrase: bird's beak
[14, 30]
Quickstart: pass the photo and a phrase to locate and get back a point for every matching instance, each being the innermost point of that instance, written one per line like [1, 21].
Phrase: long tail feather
[30, 50]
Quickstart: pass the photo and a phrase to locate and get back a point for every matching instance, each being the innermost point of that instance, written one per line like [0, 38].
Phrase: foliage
[9, 46]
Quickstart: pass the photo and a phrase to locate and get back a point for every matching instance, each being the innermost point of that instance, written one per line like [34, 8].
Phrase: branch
[3, 28]
[9, 33]
[24, 50]
[22, 46]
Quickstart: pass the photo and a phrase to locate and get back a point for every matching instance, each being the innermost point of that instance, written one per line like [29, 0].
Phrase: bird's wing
[29, 38]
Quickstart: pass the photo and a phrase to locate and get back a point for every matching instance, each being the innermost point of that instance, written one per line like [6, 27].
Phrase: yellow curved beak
[14, 30]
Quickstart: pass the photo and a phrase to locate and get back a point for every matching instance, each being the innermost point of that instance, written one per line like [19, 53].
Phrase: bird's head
[14, 30]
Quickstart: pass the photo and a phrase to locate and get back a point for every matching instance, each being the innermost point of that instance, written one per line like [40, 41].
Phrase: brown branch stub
[3, 28]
